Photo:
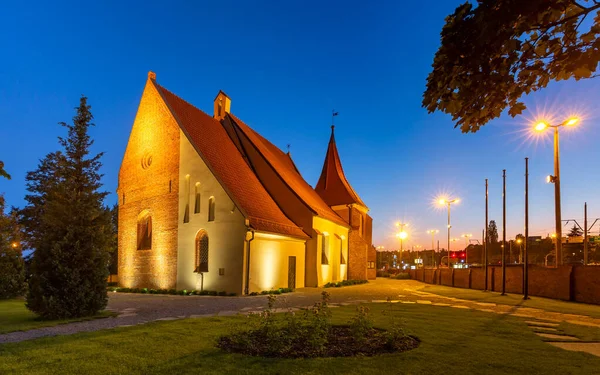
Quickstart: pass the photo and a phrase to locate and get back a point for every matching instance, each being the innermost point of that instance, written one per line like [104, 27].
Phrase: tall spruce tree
[68, 226]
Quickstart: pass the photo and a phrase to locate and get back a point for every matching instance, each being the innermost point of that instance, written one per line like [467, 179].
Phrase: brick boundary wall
[569, 283]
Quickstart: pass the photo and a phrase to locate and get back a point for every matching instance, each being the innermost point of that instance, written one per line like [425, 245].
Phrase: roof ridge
[303, 190]
[213, 145]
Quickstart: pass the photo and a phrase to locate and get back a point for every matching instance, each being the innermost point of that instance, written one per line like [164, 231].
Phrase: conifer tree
[68, 226]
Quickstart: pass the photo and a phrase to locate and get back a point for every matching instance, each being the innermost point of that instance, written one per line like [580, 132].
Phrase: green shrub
[361, 324]
[345, 283]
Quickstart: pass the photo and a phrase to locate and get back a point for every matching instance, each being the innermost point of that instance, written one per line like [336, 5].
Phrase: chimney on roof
[222, 105]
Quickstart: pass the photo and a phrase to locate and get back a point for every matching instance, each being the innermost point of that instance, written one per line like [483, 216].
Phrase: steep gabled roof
[219, 153]
[333, 186]
[285, 168]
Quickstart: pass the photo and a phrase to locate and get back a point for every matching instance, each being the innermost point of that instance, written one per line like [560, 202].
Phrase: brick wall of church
[148, 182]
[357, 249]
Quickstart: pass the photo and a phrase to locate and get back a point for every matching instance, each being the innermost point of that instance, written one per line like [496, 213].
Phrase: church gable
[148, 188]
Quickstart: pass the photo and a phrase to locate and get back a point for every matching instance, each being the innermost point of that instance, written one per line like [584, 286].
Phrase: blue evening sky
[286, 65]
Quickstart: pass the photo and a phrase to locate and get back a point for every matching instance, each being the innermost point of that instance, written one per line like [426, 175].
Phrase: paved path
[135, 309]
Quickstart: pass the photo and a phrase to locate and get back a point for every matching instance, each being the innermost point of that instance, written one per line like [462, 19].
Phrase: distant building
[205, 202]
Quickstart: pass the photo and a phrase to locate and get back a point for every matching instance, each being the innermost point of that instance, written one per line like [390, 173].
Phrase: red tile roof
[285, 168]
[333, 186]
[220, 154]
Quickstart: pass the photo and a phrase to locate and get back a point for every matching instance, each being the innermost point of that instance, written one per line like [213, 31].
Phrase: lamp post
[402, 236]
[448, 203]
[541, 126]
[433, 233]
[466, 237]
[520, 242]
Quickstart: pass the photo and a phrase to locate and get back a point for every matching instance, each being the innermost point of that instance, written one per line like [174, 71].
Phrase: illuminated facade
[205, 202]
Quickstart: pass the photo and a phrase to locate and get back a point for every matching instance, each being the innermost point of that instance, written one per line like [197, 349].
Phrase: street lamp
[402, 236]
[466, 237]
[433, 233]
[541, 126]
[448, 203]
[419, 255]
[519, 242]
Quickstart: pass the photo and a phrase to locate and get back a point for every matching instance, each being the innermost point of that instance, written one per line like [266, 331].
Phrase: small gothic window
[201, 263]
[197, 198]
[361, 226]
[324, 249]
[342, 259]
[186, 214]
[211, 209]
[220, 107]
[144, 231]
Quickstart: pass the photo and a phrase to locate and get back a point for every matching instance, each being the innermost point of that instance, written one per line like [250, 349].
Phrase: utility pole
[485, 243]
[503, 231]
[585, 235]
[525, 265]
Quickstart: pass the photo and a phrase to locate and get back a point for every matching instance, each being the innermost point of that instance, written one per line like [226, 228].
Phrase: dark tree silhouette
[495, 51]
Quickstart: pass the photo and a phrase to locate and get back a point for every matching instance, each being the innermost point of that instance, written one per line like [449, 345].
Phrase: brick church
[207, 203]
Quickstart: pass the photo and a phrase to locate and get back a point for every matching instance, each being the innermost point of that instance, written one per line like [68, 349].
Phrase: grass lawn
[516, 299]
[454, 341]
[14, 316]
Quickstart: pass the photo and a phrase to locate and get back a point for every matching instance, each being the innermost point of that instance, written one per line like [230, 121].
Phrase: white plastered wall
[226, 233]
[337, 242]
[269, 261]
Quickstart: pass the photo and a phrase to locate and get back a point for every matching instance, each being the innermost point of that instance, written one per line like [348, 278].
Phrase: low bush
[310, 334]
[402, 276]
[183, 292]
[383, 274]
[345, 283]
[272, 291]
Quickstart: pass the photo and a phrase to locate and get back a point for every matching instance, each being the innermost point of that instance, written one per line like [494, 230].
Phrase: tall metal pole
[485, 243]
[433, 247]
[503, 231]
[526, 263]
[448, 234]
[438, 251]
[585, 236]
[557, 210]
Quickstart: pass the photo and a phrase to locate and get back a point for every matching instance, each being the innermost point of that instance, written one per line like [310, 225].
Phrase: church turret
[335, 190]
[333, 186]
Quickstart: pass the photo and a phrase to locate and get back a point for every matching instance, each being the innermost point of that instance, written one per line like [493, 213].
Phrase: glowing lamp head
[519, 241]
[541, 126]
[402, 235]
[14, 245]
[572, 121]
[442, 201]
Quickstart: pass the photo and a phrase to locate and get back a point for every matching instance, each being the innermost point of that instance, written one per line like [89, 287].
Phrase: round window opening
[146, 161]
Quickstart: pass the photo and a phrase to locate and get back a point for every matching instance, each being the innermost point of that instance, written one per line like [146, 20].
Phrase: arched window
[197, 198]
[342, 258]
[211, 209]
[144, 231]
[201, 263]
[361, 226]
[325, 249]
[186, 214]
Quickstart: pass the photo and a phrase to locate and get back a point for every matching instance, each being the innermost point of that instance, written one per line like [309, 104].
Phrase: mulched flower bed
[340, 343]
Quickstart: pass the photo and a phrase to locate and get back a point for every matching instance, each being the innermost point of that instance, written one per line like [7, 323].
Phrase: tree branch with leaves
[495, 52]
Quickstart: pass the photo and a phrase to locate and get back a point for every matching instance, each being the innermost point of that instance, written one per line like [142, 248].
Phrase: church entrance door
[292, 272]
